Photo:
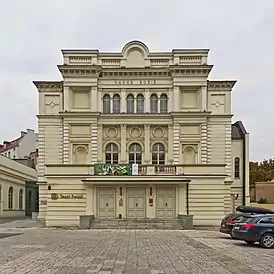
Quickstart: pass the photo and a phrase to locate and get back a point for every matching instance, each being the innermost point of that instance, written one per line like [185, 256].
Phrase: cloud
[239, 34]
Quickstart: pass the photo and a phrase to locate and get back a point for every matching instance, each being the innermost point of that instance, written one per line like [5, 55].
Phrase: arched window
[112, 153]
[163, 103]
[10, 200]
[106, 103]
[21, 199]
[154, 103]
[140, 103]
[237, 168]
[135, 154]
[116, 103]
[158, 154]
[130, 103]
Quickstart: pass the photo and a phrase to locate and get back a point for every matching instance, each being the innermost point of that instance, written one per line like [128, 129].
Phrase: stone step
[173, 224]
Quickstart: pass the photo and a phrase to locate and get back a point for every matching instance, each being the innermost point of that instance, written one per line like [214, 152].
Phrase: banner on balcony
[112, 169]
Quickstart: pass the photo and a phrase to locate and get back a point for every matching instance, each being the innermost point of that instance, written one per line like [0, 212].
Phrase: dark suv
[242, 211]
[255, 228]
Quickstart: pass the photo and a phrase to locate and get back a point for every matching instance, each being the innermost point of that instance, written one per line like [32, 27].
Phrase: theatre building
[139, 135]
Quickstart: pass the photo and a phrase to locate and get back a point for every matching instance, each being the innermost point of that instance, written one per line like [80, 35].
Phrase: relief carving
[52, 103]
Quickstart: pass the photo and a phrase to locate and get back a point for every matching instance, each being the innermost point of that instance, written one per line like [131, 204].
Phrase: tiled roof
[11, 144]
[238, 130]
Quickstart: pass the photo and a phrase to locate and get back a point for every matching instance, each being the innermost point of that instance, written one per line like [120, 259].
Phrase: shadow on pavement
[4, 220]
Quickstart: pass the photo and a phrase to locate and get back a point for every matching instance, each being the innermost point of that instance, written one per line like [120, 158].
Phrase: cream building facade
[136, 134]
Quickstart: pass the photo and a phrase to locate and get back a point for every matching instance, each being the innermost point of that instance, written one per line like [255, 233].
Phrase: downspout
[187, 196]
[244, 168]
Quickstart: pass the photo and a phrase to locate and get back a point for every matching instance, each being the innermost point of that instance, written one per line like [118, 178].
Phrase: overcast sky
[240, 35]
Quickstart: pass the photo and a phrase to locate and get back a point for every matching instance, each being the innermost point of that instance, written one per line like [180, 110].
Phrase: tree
[261, 171]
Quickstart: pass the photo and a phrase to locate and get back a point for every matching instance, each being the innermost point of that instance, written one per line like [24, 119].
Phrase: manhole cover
[5, 235]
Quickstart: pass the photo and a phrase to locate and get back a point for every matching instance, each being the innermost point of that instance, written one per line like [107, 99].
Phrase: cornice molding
[48, 85]
[186, 70]
[79, 70]
[221, 84]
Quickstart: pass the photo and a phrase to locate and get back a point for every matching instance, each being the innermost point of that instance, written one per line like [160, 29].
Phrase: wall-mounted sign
[55, 196]
[112, 169]
[135, 82]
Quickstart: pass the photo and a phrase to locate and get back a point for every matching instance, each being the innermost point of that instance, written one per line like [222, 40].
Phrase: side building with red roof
[21, 147]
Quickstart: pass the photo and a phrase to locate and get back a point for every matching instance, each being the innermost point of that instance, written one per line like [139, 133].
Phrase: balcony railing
[143, 170]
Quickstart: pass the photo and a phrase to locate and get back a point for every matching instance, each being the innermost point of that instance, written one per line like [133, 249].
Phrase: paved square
[40, 250]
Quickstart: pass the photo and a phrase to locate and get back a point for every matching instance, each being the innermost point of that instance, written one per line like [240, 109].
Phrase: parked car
[241, 211]
[255, 228]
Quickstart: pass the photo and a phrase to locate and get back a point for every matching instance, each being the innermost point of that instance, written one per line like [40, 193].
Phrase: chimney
[6, 143]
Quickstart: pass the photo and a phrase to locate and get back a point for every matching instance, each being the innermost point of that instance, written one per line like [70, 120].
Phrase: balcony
[129, 170]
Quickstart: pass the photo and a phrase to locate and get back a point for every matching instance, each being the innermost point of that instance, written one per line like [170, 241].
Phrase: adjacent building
[20, 147]
[15, 199]
[139, 134]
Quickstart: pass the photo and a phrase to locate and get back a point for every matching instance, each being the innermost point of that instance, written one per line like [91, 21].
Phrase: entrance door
[136, 202]
[106, 202]
[166, 202]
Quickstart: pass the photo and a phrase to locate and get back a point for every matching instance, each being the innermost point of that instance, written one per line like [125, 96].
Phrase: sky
[239, 34]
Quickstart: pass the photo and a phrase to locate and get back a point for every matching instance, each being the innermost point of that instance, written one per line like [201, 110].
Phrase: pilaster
[93, 99]
[203, 97]
[228, 153]
[94, 144]
[99, 143]
[170, 144]
[203, 143]
[209, 137]
[170, 100]
[99, 100]
[66, 92]
[123, 155]
[147, 143]
[66, 147]
[41, 149]
[89, 201]
[123, 101]
[176, 98]
[147, 102]
[176, 143]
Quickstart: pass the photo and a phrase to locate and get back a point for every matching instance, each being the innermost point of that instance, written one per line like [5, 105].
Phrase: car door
[265, 224]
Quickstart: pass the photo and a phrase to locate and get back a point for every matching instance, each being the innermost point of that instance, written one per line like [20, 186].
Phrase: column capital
[147, 127]
[123, 126]
[170, 126]
[100, 126]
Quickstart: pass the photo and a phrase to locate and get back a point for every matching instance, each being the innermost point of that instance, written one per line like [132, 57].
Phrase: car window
[272, 220]
[245, 219]
[265, 221]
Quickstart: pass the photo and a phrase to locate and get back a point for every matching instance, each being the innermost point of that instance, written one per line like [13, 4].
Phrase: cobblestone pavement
[39, 250]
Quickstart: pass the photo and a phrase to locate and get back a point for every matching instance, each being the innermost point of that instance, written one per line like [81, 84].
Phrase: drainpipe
[244, 168]
[187, 196]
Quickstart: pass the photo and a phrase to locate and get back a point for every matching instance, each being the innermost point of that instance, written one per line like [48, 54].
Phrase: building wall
[27, 144]
[237, 186]
[13, 174]
[73, 128]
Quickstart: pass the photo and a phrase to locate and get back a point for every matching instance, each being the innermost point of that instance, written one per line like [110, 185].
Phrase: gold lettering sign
[55, 196]
[135, 82]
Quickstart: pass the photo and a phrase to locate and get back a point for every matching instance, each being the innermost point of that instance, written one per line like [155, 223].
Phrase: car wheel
[250, 242]
[267, 240]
